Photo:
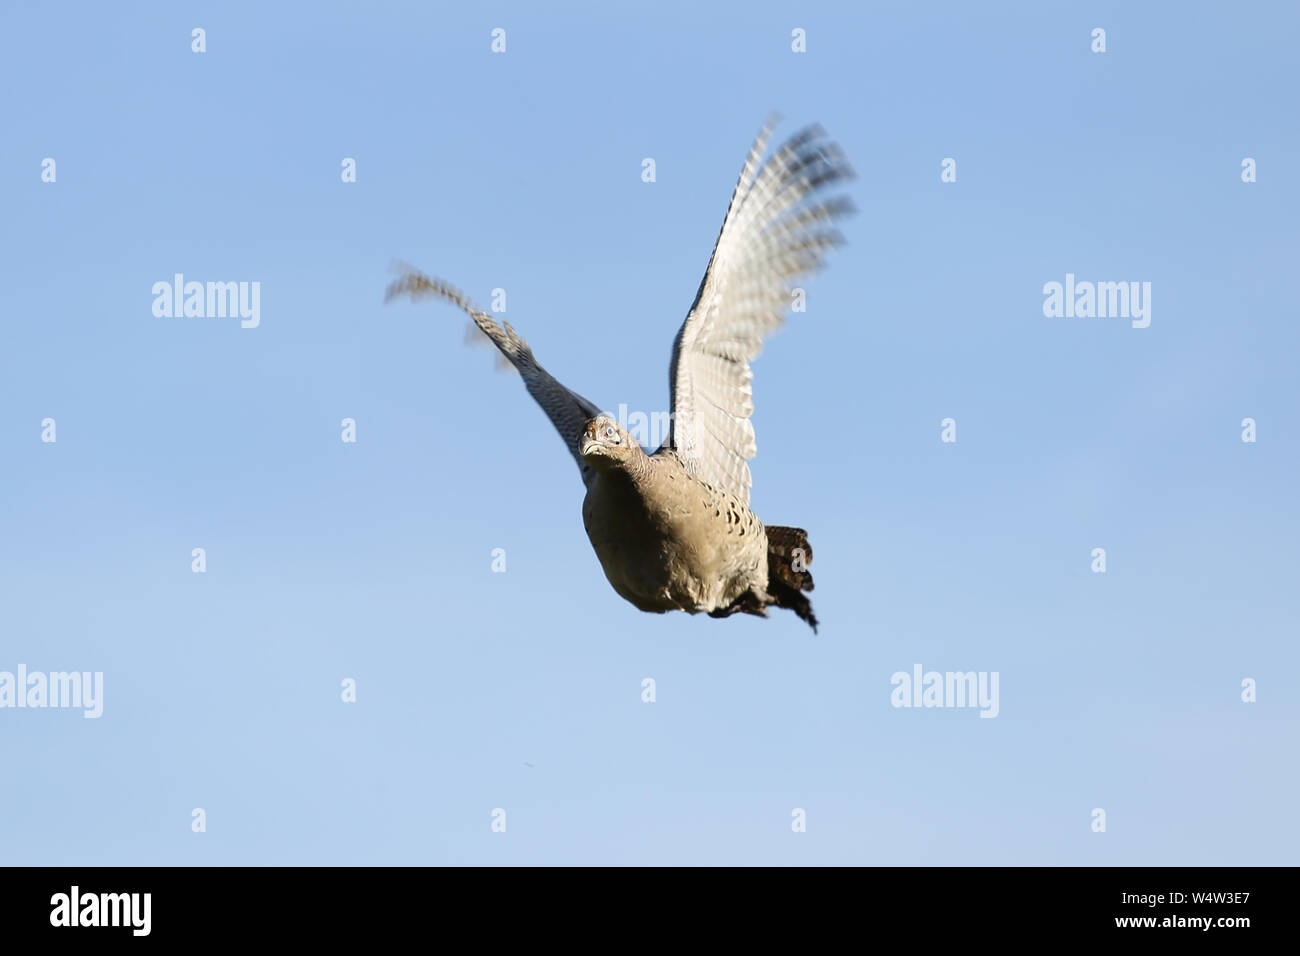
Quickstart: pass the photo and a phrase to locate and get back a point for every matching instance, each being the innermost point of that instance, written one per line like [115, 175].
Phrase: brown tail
[788, 557]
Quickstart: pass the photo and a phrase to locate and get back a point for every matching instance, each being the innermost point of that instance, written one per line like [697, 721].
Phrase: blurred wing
[774, 232]
[568, 411]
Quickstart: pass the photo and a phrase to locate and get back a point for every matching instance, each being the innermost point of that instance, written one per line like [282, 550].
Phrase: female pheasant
[673, 529]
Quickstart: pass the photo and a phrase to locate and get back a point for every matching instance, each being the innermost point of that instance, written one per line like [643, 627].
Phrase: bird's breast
[674, 544]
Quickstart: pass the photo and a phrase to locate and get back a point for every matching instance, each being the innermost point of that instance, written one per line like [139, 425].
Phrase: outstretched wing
[774, 232]
[568, 411]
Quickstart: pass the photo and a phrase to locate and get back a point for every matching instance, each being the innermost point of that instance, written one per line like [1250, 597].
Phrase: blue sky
[522, 690]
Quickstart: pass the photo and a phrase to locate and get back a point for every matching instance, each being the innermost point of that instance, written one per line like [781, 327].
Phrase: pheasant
[673, 530]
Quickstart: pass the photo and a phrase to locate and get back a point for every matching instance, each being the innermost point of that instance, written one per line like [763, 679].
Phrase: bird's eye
[611, 433]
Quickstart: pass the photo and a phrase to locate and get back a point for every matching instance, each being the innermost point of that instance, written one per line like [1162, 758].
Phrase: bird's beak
[588, 443]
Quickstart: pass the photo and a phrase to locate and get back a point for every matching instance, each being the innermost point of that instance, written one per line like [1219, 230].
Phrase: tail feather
[788, 557]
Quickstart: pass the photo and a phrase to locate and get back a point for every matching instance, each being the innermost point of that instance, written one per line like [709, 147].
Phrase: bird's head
[606, 445]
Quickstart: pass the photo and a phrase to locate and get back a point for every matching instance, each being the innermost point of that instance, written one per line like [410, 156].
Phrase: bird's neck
[636, 468]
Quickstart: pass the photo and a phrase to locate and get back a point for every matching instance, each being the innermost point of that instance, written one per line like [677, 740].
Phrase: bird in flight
[673, 529]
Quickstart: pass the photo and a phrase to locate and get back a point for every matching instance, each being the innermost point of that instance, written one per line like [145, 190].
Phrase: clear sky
[522, 690]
